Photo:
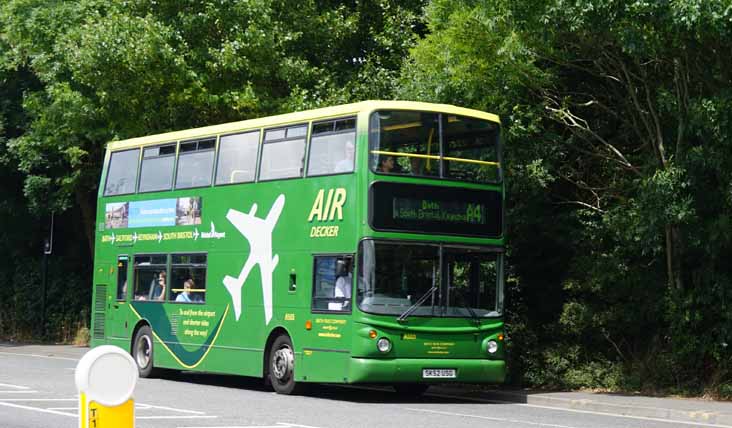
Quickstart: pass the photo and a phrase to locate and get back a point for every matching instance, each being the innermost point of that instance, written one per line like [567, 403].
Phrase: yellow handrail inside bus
[421, 156]
[428, 166]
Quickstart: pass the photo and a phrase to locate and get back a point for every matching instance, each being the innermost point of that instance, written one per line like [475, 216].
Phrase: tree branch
[573, 121]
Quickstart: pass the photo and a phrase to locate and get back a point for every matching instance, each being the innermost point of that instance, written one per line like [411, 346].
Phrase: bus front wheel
[142, 351]
[282, 366]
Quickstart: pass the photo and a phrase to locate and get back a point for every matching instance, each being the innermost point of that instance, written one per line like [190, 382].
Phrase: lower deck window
[151, 277]
[177, 278]
[188, 275]
[332, 283]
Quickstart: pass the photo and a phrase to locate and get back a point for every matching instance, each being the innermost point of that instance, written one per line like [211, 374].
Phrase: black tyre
[142, 351]
[410, 389]
[281, 366]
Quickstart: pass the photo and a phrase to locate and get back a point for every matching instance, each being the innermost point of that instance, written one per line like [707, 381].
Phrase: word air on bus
[327, 207]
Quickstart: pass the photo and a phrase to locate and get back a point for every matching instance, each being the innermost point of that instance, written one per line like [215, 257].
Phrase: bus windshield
[434, 145]
[394, 276]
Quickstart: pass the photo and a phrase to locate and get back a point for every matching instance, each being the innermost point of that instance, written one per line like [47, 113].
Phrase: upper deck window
[427, 144]
[157, 168]
[195, 163]
[283, 153]
[470, 149]
[332, 147]
[237, 158]
[122, 173]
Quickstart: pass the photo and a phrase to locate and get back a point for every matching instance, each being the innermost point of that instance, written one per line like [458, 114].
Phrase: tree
[119, 69]
[610, 108]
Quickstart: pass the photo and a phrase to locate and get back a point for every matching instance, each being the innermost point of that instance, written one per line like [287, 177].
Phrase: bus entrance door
[326, 352]
[118, 311]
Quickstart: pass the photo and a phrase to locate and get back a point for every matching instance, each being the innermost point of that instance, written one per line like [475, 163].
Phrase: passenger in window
[344, 271]
[346, 164]
[157, 287]
[415, 165]
[188, 296]
[386, 164]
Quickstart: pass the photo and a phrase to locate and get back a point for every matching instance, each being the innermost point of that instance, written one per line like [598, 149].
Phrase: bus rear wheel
[282, 366]
[142, 351]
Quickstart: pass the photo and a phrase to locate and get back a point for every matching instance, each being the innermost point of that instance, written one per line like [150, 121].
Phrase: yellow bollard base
[101, 416]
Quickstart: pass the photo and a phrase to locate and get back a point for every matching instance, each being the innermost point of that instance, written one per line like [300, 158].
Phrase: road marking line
[30, 391]
[279, 425]
[178, 417]
[245, 426]
[150, 406]
[13, 386]
[287, 424]
[54, 412]
[464, 415]
[39, 356]
[37, 399]
[589, 412]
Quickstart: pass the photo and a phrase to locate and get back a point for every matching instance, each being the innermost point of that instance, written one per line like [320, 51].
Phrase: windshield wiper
[418, 303]
[473, 315]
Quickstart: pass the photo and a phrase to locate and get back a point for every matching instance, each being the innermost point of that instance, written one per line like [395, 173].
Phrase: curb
[721, 419]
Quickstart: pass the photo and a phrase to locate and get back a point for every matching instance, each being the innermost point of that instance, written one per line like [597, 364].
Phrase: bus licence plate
[438, 373]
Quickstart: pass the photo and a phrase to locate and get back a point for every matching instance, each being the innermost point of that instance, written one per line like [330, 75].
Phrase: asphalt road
[37, 390]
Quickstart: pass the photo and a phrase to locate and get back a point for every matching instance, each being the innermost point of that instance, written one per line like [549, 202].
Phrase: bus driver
[344, 281]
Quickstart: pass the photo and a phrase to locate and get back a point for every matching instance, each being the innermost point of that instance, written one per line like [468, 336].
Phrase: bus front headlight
[383, 345]
[492, 346]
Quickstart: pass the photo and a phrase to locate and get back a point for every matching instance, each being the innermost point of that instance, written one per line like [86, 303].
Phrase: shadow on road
[358, 394]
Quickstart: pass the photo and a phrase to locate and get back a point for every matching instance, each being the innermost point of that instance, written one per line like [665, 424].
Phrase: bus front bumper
[371, 370]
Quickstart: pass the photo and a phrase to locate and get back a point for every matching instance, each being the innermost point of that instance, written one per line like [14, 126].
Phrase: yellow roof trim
[290, 118]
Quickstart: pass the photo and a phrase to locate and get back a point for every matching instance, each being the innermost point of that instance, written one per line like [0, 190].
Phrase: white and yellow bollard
[106, 377]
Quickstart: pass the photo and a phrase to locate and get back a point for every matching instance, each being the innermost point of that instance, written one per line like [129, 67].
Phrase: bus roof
[307, 115]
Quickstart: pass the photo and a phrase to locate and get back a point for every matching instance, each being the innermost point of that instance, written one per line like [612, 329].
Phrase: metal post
[47, 250]
[44, 275]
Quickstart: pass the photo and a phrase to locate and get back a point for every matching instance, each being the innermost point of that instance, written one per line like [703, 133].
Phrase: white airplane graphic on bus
[258, 232]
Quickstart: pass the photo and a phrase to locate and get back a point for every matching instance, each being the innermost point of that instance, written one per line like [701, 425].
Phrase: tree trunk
[88, 218]
[673, 257]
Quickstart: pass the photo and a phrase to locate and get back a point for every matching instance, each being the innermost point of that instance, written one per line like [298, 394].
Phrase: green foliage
[617, 157]
[569, 368]
[120, 69]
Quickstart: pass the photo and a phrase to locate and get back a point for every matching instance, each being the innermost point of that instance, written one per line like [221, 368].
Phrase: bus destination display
[413, 209]
[435, 209]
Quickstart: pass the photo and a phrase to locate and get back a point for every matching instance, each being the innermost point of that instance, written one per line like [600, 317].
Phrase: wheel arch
[274, 334]
[141, 323]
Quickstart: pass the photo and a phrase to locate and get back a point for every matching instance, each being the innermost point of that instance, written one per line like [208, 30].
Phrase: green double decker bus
[361, 243]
